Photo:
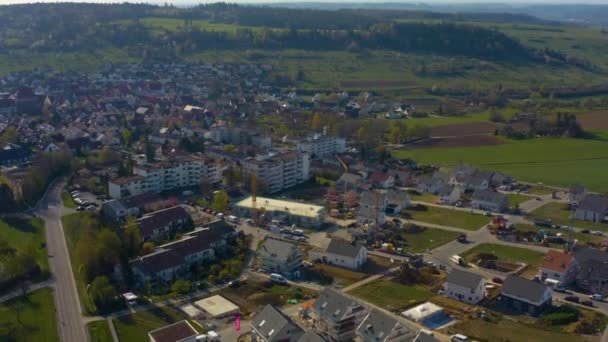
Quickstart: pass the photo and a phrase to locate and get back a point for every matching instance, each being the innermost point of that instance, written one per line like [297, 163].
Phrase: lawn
[37, 316]
[446, 217]
[582, 238]
[505, 253]
[135, 327]
[553, 161]
[559, 214]
[428, 238]
[426, 197]
[341, 275]
[392, 295]
[517, 199]
[22, 234]
[99, 331]
[67, 199]
[510, 330]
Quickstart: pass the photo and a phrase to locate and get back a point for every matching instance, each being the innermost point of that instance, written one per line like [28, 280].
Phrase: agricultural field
[558, 213]
[459, 141]
[504, 253]
[29, 318]
[460, 129]
[446, 217]
[593, 121]
[553, 161]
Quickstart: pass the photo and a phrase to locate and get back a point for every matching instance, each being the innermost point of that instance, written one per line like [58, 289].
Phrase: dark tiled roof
[377, 327]
[161, 218]
[524, 288]
[311, 336]
[271, 321]
[141, 200]
[464, 279]
[281, 249]
[489, 196]
[594, 202]
[344, 248]
[335, 306]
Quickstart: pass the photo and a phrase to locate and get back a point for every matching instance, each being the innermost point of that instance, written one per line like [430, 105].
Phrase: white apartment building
[276, 172]
[322, 145]
[162, 176]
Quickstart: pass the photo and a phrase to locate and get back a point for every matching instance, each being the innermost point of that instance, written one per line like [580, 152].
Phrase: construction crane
[254, 190]
[377, 225]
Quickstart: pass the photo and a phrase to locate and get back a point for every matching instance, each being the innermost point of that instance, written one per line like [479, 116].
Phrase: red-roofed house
[382, 180]
[558, 266]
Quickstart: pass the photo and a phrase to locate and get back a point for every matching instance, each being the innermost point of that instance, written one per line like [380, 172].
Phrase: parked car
[587, 303]
[560, 288]
[596, 296]
[234, 283]
[91, 207]
[539, 199]
[462, 238]
[597, 232]
[487, 213]
[79, 208]
[585, 231]
[277, 278]
[573, 299]
[459, 338]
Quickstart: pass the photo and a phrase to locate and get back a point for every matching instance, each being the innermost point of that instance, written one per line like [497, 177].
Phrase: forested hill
[69, 27]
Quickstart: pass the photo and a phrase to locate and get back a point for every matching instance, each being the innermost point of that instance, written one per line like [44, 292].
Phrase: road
[67, 304]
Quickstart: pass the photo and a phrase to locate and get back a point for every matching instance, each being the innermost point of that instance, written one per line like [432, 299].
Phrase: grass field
[517, 199]
[36, 318]
[429, 238]
[99, 331]
[67, 199]
[582, 238]
[392, 295]
[559, 214]
[553, 161]
[446, 217]
[22, 234]
[135, 327]
[428, 198]
[505, 253]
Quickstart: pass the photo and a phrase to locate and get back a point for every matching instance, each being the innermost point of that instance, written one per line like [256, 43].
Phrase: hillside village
[216, 198]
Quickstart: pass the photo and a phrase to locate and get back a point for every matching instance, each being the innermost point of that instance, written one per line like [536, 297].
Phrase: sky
[177, 2]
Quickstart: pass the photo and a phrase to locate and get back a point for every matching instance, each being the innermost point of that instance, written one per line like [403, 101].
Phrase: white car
[91, 208]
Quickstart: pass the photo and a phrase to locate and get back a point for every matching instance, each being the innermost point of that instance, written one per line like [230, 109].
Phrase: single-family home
[490, 200]
[382, 180]
[279, 256]
[397, 201]
[558, 266]
[449, 194]
[342, 253]
[526, 296]
[428, 184]
[592, 207]
[576, 194]
[425, 336]
[466, 287]
[592, 275]
[272, 325]
[181, 331]
[379, 327]
[336, 316]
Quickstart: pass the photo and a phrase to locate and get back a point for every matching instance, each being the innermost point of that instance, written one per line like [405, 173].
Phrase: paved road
[67, 305]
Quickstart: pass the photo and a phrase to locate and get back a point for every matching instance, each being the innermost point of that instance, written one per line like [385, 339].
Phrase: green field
[392, 295]
[429, 238]
[580, 237]
[559, 214]
[23, 234]
[135, 327]
[517, 199]
[68, 201]
[553, 161]
[35, 321]
[426, 197]
[505, 253]
[446, 217]
[99, 331]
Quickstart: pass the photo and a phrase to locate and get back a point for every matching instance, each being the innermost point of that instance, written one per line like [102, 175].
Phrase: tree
[147, 248]
[181, 287]
[9, 136]
[102, 292]
[229, 148]
[127, 137]
[132, 236]
[315, 122]
[92, 183]
[220, 201]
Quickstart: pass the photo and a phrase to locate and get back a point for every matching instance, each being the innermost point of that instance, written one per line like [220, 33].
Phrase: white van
[459, 338]
[457, 259]
[232, 218]
[277, 278]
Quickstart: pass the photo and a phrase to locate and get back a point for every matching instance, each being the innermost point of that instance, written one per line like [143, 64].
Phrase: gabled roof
[270, 322]
[557, 261]
[335, 306]
[594, 202]
[464, 279]
[160, 219]
[523, 288]
[310, 336]
[489, 196]
[343, 248]
[397, 196]
[378, 326]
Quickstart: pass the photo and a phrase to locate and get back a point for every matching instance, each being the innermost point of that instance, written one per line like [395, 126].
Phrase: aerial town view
[304, 171]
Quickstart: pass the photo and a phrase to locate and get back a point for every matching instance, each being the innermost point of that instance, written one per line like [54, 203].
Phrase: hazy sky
[179, 2]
